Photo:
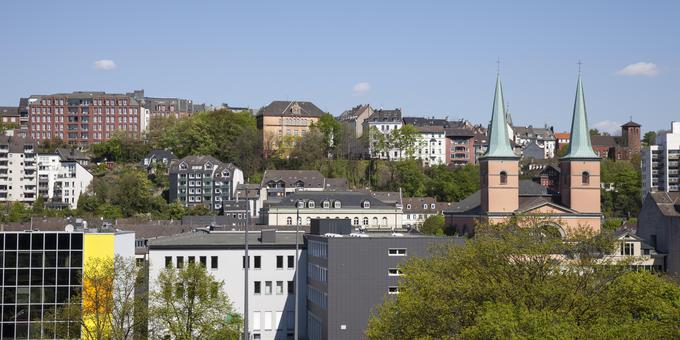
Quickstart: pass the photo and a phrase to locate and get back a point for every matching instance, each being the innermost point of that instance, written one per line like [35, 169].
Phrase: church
[502, 195]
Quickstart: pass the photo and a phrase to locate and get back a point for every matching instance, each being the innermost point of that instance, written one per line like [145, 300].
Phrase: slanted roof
[348, 199]
[631, 124]
[16, 143]
[430, 129]
[72, 155]
[336, 184]
[201, 160]
[608, 141]
[385, 116]
[354, 113]
[667, 202]
[580, 146]
[459, 133]
[289, 108]
[310, 178]
[225, 240]
[499, 141]
[529, 191]
[161, 154]
[9, 111]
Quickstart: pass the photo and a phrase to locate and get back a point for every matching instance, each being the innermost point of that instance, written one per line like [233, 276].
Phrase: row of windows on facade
[355, 221]
[203, 260]
[585, 178]
[295, 133]
[425, 205]
[257, 287]
[96, 111]
[84, 135]
[84, 127]
[276, 318]
[192, 175]
[40, 330]
[41, 259]
[97, 102]
[37, 297]
[327, 204]
[40, 277]
[257, 262]
[84, 119]
[40, 241]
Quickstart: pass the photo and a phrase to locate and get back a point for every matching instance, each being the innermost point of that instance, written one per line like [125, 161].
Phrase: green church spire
[499, 141]
[580, 145]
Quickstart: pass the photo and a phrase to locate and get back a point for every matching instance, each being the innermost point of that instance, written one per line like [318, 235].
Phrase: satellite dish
[69, 228]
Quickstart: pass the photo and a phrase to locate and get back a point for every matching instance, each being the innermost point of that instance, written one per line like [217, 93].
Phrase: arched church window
[585, 178]
[504, 177]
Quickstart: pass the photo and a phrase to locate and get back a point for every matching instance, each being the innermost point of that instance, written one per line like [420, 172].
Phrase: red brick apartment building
[83, 118]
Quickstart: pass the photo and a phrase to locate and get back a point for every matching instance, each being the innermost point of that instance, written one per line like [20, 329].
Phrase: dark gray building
[349, 275]
[659, 226]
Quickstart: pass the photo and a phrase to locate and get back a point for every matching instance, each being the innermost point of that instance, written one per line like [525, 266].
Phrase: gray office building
[349, 274]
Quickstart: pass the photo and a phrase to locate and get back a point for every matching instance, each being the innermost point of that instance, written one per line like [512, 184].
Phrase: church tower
[499, 168]
[580, 167]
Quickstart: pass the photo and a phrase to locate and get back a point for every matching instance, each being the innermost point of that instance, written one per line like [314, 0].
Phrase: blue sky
[431, 58]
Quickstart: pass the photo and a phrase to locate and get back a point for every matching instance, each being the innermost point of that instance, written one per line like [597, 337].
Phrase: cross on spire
[498, 66]
[579, 66]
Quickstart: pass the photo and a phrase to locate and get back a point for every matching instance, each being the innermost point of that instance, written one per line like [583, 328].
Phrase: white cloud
[104, 64]
[639, 69]
[613, 128]
[361, 88]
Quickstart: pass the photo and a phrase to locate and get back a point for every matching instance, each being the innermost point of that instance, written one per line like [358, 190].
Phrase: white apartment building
[431, 145]
[18, 178]
[25, 175]
[385, 122]
[363, 210]
[271, 278]
[660, 162]
[61, 182]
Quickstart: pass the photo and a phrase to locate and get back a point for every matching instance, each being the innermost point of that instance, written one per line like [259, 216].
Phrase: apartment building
[43, 270]
[341, 297]
[460, 146]
[542, 140]
[384, 122]
[203, 180]
[61, 181]
[282, 122]
[361, 208]
[18, 169]
[83, 118]
[9, 115]
[418, 209]
[660, 163]
[164, 107]
[271, 274]
[431, 145]
[355, 118]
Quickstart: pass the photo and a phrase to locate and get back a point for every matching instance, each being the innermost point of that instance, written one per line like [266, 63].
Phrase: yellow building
[283, 122]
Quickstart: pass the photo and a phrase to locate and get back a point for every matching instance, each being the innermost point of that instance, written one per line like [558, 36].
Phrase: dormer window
[425, 206]
[299, 184]
[585, 178]
[432, 206]
[310, 204]
[183, 166]
[300, 204]
[366, 204]
[326, 204]
[225, 173]
[408, 206]
[337, 204]
[208, 166]
[504, 177]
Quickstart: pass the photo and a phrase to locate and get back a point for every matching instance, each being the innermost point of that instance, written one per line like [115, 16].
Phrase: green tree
[38, 207]
[331, 130]
[188, 303]
[511, 282]
[624, 198]
[433, 225]
[405, 139]
[450, 184]
[649, 138]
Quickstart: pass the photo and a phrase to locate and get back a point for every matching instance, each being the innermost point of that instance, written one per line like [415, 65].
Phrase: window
[366, 204]
[279, 287]
[375, 221]
[291, 287]
[180, 261]
[337, 204]
[585, 178]
[365, 221]
[326, 204]
[256, 321]
[192, 259]
[267, 320]
[168, 261]
[279, 262]
[258, 262]
[268, 288]
[310, 204]
[291, 261]
[628, 248]
[396, 252]
[356, 221]
[289, 220]
[258, 287]
[425, 206]
[300, 204]
[392, 290]
[213, 262]
[394, 272]
[504, 177]
[203, 260]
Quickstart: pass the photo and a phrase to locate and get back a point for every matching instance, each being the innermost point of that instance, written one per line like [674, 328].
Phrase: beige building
[360, 208]
[502, 195]
[283, 122]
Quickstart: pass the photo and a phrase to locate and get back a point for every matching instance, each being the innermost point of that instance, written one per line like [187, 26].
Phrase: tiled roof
[354, 113]
[285, 108]
[201, 160]
[609, 141]
[667, 202]
[16, 143]
[310, 178]
[631, 124]
[9, 111]
[348, 199]
[527, 189]
[385, 116]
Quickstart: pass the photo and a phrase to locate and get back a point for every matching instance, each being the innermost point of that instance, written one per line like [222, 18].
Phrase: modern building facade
[383, 122]
[431, 145]
[503, 195]
[271, 278]
[60, 181]
[660, 170]
[18, 169]
[43, 270]
[348, 275]
[460, 146]
[659, 226]
[283, 122]
[362, 209]
[83, 118]
[203, 180]
[164, 107]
